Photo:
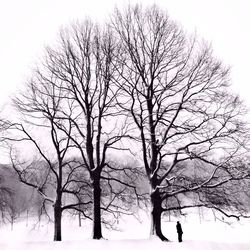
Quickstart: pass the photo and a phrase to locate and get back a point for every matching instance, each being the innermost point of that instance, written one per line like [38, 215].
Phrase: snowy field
[198, 235]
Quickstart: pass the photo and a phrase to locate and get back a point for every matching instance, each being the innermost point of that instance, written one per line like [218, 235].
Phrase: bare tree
[16, 204]
[177, 94]
[5, 195]
[75, 91]
[54, 172]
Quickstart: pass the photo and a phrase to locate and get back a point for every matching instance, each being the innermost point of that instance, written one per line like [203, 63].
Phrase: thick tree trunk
[79, 219]
[57, 221]
[156, 216]
[97, 227]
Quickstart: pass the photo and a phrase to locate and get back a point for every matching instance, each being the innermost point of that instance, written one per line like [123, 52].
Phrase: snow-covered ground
[125, 245]
[199, 234]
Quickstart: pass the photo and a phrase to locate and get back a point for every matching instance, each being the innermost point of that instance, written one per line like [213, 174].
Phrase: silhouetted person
[179, 231]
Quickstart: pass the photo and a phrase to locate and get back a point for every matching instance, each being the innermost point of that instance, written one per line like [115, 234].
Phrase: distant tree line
[135, 88]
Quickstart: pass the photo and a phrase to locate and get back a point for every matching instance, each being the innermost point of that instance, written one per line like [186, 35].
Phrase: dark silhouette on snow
[179, 231]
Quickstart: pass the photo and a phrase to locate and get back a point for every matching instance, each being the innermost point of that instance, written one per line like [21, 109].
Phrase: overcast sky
[27, 25]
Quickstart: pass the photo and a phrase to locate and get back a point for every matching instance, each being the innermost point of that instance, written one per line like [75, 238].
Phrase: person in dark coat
[179, 231]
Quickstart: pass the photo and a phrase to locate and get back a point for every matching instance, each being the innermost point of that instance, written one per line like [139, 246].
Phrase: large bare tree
[177, 94]
[81, 67]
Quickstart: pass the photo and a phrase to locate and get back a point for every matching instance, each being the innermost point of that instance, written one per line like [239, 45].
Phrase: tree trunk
[12, 223]
[57, 221]
[97, 227]
[27, 218]
[79, 219]
[156, 216]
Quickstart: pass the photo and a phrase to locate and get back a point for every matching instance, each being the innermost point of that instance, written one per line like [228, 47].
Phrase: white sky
[27, 25]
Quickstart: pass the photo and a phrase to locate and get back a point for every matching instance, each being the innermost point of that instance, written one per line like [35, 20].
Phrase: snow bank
[124, 245]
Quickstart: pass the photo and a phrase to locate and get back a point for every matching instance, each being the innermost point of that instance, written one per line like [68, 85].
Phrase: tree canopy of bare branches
[139, 79]
[177, 94]
[72, 93]
[84, 68]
